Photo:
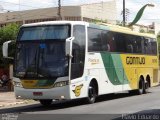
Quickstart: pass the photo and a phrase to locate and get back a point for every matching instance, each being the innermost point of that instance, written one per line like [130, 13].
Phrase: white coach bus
[74, 59]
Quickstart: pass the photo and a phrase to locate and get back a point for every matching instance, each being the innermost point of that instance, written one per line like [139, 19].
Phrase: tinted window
[150, 46]
[133, 43]
[53, 32]
[103, 40]
[99, 40]
[78, 51]
[154, 47]
[120, 42]
[94, 40]
[108, 43]
[42, 60]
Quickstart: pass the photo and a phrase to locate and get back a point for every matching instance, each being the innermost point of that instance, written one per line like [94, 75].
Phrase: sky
[151, 14]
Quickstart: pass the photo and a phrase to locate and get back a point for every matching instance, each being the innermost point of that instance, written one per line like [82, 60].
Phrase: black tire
[92, 94]
[146, 90]
[141, 89]
[45, 102]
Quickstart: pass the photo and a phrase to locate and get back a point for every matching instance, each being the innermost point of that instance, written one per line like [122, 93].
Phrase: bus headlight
[17, 84]
[61, 84]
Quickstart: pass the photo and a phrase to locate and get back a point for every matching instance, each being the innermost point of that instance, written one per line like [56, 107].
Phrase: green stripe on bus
[114, 68]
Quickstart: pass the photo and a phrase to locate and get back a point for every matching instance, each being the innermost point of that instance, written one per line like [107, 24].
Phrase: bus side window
[111, 44]
[147, 46]
[105, 41]
[95, 40]
[120, 42]
[135, 44]
[153, 47]
[100, 40]
[139, 44]
[130, 48]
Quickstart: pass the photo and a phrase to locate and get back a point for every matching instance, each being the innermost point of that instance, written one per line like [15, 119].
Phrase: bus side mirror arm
[5, 49]
[68, 51]
[68, 47]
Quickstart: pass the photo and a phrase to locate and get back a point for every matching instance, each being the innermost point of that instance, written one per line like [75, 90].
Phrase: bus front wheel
[92, 94]
[46, 102]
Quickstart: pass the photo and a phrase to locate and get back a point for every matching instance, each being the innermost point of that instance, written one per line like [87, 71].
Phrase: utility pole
[124, 13]
[127, 15]
[59, 10]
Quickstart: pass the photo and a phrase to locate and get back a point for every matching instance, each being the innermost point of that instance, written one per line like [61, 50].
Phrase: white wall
[157, 28]
[102, 11]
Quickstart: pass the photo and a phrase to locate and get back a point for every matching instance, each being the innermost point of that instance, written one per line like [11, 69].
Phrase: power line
[24, 5]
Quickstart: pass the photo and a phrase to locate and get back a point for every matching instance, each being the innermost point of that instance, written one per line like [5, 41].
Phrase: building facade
[104, 11]
[157, 28]
[140, 28]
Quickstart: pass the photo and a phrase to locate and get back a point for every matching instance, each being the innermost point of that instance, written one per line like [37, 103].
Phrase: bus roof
[120, 29]
[104, 26]
[54, 23]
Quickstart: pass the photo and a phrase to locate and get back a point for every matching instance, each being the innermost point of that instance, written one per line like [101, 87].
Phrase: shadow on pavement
[63, 104]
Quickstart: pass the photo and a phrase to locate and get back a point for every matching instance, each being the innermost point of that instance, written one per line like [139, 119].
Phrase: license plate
[37, 93]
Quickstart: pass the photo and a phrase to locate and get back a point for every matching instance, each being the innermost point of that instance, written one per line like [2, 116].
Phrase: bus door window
[78, 51]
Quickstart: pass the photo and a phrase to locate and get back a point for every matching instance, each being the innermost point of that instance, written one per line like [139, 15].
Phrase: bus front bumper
[57, 93]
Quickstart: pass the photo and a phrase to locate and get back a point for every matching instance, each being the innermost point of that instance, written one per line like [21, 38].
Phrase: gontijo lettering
[135, 60]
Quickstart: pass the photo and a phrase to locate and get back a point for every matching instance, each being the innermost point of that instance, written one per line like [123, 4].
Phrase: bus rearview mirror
[68, 47]
[5, 49]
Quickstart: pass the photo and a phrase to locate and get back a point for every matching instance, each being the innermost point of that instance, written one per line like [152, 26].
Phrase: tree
[8, 32]
[142, 30]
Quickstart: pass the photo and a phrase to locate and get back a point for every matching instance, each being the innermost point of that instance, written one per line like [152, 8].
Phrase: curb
[16, 103]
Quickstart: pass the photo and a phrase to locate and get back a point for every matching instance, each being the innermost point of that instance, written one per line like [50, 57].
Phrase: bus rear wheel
[146, 90]
[141, 89]
[47, 102]
[92, 94]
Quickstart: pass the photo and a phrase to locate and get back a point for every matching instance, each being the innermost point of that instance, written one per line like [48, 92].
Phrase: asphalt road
[108, 106]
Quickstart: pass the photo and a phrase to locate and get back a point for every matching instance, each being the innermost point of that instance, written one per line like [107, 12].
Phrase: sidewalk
[8, 99]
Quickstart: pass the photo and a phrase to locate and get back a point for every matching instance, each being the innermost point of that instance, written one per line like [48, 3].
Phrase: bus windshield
[51, 32]
[37, 58]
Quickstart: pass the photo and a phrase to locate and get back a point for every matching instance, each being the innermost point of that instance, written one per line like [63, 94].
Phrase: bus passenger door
[78, 52]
